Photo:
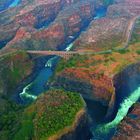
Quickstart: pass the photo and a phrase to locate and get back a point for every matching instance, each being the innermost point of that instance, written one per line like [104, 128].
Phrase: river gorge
[109, 91]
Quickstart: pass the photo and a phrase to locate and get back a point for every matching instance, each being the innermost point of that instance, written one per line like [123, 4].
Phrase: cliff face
[124, 8]
[59, 23]
[14, 68]
[81, 129]
[56, 115]
[129, 128]
[33, 14]
[103, 34]
[11, 73]
[125, 83]
[91, 85]
[66, 26]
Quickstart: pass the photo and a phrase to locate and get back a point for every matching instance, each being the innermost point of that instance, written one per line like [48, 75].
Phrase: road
[130, 30]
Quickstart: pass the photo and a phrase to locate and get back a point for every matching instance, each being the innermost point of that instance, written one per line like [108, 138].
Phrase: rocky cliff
[56, 115]
[65, 28]
[103, 34]
[14, 68]
[124, 8]
[129, 128]
[33, 14]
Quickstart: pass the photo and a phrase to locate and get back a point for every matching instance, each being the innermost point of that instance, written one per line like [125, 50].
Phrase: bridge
[64, 54]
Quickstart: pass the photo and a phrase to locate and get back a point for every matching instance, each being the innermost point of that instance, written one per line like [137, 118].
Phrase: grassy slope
[49, 115]
[14, 68]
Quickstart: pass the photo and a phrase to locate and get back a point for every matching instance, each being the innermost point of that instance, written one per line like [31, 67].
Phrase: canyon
[97, 91]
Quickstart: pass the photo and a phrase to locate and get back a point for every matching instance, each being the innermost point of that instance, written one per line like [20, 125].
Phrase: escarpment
[11, 73]
[63, 30]
[56, 115]
[129, 128]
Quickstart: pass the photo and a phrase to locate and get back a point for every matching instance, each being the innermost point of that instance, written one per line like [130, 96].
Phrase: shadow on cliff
[126, 82]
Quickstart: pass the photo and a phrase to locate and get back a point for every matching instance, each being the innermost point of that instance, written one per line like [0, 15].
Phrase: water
[102, 131]
[14, 3]
[10, 4]
[31, 91]
[3, 43]
[101, 12]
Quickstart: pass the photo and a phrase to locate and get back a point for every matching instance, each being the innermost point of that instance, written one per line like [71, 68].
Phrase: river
[14, 3]
[101, 131]
[106, 130]
[38, 86]
[10, 4]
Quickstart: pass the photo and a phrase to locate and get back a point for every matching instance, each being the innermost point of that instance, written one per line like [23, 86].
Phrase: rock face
[99, 77]
[11, 73]
[129, 128]
[64, 29]
[103, 34]
[81, 130]
[127, 8]
[125, 83]
[14, 68]
[56, 115]
[90, 85]
[33, 14]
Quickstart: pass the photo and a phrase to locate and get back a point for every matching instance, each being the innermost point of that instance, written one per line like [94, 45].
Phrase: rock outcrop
[33, 14]
[103, 34]
[14, 68]
[124, 8]
[11, 73]
[56, 115]
[64, 29]
[129, 128]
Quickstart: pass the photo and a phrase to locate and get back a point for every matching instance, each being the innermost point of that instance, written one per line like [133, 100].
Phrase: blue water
[39, 85]
[101, 12]
[14, 3]
[32, 90]
[42, 25]
[2, 44]
[102, 131]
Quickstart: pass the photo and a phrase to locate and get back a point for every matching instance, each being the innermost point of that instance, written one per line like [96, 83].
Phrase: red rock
[129, 128]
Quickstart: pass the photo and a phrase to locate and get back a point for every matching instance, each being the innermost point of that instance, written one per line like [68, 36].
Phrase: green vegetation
[138, 52]
[72, 62]
[49, 115]
[122, 51]
[13, 68]
[25, 132]
[10, 118]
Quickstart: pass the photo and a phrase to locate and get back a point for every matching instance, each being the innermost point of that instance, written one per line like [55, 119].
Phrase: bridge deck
[53, 52]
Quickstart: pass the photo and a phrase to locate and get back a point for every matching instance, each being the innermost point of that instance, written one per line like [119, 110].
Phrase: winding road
[130, 30]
